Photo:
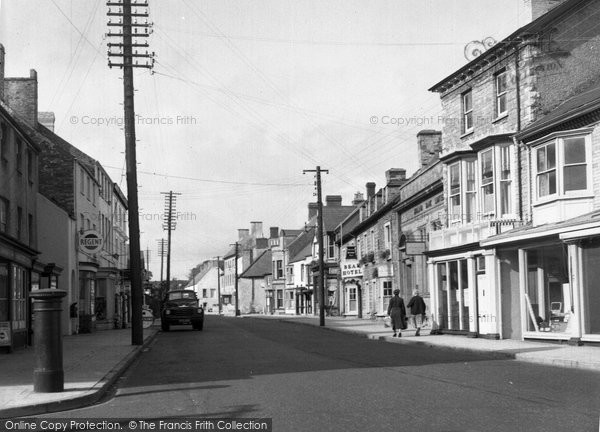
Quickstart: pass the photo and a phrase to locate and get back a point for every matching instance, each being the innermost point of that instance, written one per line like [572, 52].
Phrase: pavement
[93, 362]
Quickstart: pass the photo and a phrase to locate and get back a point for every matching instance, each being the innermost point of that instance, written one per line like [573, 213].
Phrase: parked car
[182, 307]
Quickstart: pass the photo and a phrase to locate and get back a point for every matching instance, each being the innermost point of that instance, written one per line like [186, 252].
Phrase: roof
[260, 267]
[577, 106]
[334, 215]
[301, 247]
[527, 232]
[514, 39]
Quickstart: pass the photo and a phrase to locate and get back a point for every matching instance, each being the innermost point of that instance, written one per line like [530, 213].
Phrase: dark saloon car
[181, 307]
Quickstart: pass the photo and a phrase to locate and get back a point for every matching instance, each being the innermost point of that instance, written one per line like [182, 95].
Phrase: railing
[469, 233]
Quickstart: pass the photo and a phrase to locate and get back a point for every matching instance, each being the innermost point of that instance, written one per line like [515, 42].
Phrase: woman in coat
[397, 312]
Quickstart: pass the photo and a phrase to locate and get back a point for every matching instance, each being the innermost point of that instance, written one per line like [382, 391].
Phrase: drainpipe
[517, 145]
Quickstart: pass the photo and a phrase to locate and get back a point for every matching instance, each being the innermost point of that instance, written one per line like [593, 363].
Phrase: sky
[245, 95]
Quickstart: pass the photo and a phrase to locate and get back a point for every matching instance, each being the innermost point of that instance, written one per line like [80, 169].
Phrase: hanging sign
[90, 241]
[351, 269]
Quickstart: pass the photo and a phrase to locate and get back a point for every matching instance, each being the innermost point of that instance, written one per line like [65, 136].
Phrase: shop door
[484, 305]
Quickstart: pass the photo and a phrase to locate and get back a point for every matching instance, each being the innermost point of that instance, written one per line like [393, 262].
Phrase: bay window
[487, 181]
[505, 181]
[454, 196]
[470, 190]
[561, 167]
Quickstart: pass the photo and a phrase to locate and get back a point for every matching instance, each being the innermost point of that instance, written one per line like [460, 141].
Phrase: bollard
[48, 375]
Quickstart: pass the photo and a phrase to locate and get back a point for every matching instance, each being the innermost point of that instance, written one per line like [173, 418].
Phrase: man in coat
[417, 311]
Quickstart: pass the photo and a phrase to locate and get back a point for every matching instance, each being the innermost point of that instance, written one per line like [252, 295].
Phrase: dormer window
[467, 109]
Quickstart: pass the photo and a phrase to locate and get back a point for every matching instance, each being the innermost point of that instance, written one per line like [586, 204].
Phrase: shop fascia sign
[351, 269]
[90, 241]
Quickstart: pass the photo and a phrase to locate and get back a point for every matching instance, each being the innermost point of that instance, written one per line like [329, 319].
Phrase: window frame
[491, 183]
[501, 95]
[4, 215]
[558, 140]
[467, 112]
[453, 216]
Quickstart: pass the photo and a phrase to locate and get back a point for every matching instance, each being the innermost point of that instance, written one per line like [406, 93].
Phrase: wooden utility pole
[219, 283]
[125, 47]
[237, 311]
[320, 235]
[169, 224]
[161, 253]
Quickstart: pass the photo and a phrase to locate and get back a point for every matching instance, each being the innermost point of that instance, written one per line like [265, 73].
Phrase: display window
[548, 293]
[591, 290]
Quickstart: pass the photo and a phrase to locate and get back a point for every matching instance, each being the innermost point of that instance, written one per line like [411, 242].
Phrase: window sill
[500, 118]
[556, 198]
[467, 134]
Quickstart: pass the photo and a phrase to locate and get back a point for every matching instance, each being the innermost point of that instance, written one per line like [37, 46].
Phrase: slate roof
[576, 106]
[261, 267]
[301, 247]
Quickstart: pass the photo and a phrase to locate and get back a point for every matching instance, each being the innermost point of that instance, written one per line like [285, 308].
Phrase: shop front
[464, 298]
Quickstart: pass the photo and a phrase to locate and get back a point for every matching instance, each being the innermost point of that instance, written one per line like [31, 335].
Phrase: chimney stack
[358, 199]
[47, 120]
[530, 10]
[333, 200]
[395, 176]
[370, 189]
[256, 229]
[243, 233]
[313, 209]
[274, 232]
[430, 146]
[2, 53]
[21, 95]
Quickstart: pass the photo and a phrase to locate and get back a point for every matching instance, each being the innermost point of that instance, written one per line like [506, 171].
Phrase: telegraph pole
[161, 253]
[237, 245]
[125, 51]
[219, 283]
[320, 234]
[169, 225]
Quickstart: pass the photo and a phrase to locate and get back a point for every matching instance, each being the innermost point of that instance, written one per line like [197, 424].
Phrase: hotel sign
[351, 269]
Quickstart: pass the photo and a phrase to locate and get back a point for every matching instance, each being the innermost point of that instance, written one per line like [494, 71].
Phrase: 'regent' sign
[90, 241]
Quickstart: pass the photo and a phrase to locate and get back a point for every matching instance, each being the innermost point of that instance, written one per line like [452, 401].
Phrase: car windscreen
[182, 295]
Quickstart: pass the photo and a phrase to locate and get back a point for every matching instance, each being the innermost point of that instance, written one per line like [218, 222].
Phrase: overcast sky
[247, 94]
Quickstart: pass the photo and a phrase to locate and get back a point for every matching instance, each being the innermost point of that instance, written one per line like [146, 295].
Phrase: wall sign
[351, 269]
[414, 248]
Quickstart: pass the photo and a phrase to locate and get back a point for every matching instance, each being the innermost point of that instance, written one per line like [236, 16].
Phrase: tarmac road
[310, 379]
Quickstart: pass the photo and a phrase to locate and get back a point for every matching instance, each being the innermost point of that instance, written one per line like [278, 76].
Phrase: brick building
[18, 215]
[369, 258]
[505, 173]
[420, 210]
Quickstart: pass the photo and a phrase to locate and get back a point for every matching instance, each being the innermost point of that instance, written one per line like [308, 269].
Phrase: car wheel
[198, 326]
[165, 327]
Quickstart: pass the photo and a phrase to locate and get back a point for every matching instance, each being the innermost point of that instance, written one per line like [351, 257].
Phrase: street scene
[311, 215]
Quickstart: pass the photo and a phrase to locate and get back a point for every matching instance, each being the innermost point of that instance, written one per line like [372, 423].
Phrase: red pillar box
[48, 375]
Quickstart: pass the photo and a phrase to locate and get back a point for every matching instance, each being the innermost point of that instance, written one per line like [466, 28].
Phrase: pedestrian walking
[397, 313]
[417, 311]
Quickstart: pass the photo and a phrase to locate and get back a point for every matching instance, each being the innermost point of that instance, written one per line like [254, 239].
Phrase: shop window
[18, 311]
[4, 292]
[591, 291]
[548, 295]
[442, 281]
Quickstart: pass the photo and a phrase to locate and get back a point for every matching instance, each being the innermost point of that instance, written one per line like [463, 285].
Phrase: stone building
[504, 172]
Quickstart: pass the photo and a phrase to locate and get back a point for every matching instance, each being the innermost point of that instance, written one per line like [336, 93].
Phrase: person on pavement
[397, 313]
[417, 311]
